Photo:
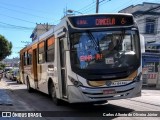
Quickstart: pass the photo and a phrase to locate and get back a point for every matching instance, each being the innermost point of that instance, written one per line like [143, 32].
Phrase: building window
[50, 49]
[41, 52]
[150, 26]
[152, 48]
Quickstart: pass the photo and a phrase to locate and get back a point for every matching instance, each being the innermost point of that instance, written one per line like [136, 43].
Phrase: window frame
[41, 51]
[25, 58]
[150, 27]
[29, 56]
[50, 47]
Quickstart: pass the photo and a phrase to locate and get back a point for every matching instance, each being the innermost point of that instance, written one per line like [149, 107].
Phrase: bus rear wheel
[53, 94]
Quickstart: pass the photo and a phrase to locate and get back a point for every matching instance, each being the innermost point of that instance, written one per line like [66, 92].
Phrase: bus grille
[100, 95]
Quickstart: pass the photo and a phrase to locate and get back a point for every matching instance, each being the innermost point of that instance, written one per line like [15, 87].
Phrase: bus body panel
[77, 94]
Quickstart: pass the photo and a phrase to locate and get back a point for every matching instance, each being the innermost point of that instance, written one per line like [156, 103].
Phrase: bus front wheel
[53, 94]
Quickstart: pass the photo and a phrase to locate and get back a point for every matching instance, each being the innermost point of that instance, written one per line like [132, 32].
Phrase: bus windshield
[105, 49]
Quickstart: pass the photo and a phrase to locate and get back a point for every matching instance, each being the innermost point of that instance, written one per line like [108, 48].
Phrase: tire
[18, 82]
[28, 86]
[53, 95]
[100, 102]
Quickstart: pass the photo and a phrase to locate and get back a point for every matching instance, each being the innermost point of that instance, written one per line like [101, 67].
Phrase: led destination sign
[101, 21]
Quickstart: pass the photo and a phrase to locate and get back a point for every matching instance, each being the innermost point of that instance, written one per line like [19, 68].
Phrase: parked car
[9, 75]
[1, 74]
[6, 70]
[16, 75]
[13, 74]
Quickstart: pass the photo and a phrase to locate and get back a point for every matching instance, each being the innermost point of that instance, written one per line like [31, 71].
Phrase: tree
[5, 47]
[2, 66]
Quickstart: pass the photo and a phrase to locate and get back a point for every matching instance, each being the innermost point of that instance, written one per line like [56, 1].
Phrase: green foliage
[5, 47]
[2, 66]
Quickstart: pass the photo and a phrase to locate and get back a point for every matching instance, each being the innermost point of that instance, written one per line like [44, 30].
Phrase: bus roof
[56, 27]
[101, 20]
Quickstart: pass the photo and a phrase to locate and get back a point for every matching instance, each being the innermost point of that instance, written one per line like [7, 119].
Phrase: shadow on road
[83, 109]
[42, 102]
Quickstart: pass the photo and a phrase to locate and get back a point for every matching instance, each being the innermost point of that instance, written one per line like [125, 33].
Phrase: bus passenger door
[22, 69]
[63, 65]
[35, 68]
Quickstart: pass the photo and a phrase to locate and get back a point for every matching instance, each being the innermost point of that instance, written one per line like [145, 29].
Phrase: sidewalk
[6, 102]
[10, 102]
[4, 97]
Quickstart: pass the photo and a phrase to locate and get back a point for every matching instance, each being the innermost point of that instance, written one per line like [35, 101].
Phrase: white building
[39, 30]
[14, 62]
[147, 16]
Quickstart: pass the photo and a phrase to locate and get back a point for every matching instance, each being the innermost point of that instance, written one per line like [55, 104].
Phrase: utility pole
[97, 6]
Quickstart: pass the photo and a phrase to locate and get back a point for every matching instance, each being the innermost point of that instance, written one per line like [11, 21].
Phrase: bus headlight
[75, 82]
[138, 78]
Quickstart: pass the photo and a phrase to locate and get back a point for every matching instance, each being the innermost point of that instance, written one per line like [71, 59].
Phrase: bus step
[65, 96]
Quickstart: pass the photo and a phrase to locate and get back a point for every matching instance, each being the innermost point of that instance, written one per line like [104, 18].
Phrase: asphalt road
[37, 101]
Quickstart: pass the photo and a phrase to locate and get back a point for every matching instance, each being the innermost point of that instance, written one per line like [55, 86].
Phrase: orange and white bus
[86, 58]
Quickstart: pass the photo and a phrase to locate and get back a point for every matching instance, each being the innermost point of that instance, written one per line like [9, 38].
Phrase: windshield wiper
[93, 40]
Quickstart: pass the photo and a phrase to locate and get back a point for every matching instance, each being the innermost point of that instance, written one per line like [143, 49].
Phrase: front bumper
[88, 94]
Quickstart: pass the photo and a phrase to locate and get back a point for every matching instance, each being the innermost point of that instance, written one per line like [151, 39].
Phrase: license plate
[109, 91]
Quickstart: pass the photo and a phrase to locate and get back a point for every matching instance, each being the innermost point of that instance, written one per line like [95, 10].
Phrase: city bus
[85, 58]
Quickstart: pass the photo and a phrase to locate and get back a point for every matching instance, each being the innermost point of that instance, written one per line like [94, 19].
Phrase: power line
[132, 2]
[11, 26]
[89, 6]
[103, 2]
[86, 6]
[88, 9]
[17, 47]
[15, 29]
[23, 12]
[122, 6]
[17, 18]
[23, 7]
[23, 19]
[14, 26]
[93, 7]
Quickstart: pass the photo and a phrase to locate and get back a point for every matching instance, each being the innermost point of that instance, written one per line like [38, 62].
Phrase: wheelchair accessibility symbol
[123, 21]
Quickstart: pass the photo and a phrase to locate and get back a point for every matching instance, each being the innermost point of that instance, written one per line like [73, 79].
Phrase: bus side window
[29, 56]
[25, 58]
[50, 49]
[41, 52]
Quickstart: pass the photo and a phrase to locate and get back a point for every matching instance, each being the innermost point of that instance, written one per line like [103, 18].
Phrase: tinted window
[29, 56]
[150, 26]
[41, 52]
[50, 49]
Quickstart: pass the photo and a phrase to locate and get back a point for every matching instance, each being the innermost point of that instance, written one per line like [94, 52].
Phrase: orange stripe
[30, 50]
[50, 41]
[41, 45]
